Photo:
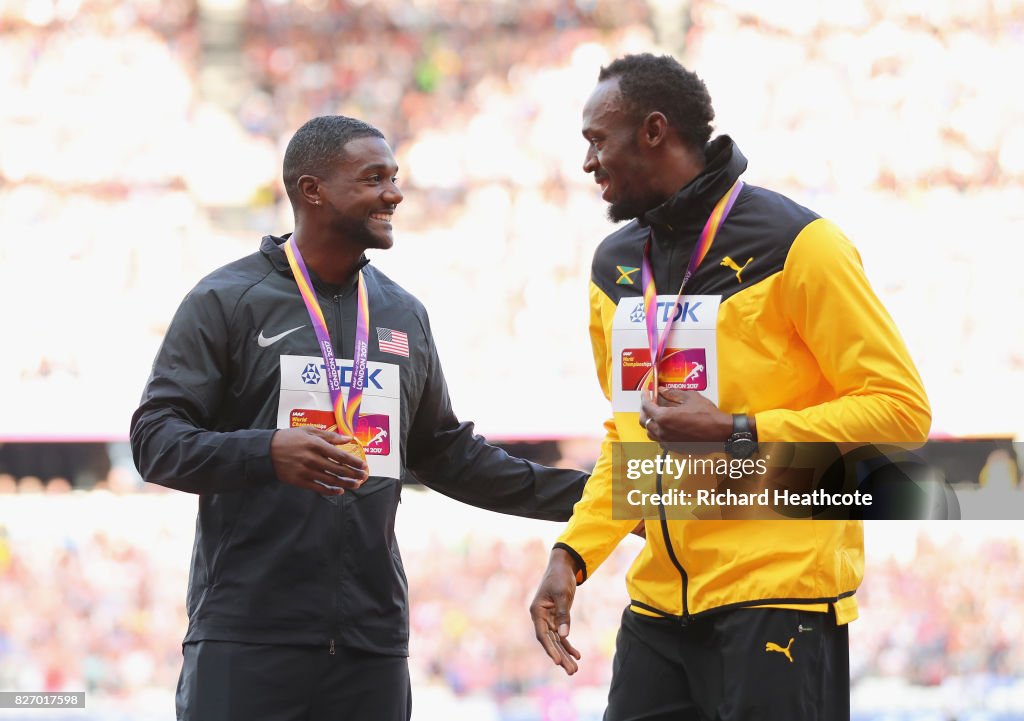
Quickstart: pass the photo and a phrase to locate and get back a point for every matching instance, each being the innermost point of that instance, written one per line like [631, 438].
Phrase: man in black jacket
[297, 599]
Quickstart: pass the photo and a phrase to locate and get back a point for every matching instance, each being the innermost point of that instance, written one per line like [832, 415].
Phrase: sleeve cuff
[259, 467]
[581, 575]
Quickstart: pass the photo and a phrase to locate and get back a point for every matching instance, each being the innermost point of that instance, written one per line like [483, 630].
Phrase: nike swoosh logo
[264, 341]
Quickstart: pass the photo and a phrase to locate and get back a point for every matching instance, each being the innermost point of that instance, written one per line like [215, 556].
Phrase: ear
[309, 189]
[654, 129]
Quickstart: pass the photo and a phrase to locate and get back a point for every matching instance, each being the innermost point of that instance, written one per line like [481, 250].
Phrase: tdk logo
[685, 312]
[311, 376]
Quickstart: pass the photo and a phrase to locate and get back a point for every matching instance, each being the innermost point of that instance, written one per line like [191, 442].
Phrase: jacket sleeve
[176, 438]
[879, 394]
[592, 533]
[450, 458]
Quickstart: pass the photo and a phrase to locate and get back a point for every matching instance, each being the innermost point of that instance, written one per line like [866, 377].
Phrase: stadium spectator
[30, 485]
[58, 486]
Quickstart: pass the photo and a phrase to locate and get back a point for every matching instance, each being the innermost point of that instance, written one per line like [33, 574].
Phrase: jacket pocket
[235, 504]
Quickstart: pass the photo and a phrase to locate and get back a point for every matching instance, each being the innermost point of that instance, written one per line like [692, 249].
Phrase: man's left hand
[681, 416]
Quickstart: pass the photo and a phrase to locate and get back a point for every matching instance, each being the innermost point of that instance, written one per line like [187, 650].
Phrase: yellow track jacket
[803, 344]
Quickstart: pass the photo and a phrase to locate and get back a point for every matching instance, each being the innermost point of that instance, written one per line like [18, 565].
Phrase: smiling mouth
[381, 217]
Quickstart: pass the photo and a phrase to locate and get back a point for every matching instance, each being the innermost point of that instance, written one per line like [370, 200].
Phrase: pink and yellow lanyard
[346, 414]
[707, 237]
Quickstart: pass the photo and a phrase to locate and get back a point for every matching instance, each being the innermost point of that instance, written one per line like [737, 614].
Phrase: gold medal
[354, 448]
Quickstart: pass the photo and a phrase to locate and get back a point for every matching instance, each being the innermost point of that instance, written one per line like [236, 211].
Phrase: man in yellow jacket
[777, 336]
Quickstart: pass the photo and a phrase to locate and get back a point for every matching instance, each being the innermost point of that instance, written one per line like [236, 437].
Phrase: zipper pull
[332, 647]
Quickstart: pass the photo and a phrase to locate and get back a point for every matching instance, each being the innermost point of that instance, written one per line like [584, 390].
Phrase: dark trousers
[749, 664]
[225, 681]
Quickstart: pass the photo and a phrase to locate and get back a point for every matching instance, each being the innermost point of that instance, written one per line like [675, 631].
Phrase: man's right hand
[550, 610]
[308, 457]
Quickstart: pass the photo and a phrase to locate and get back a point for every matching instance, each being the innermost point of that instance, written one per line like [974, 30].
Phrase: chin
[375, 238]
[386, 244]
[618, 212]
[630, 208]
[379, 243]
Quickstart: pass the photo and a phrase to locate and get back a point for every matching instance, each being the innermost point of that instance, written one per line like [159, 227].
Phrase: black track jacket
[273, 563]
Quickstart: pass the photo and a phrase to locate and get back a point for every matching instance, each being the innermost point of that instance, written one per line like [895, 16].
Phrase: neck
[680, 170]
[332, 259]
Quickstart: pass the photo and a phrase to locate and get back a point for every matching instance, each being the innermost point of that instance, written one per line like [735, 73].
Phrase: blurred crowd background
[140, 147]
[142, 144]
[92, 597]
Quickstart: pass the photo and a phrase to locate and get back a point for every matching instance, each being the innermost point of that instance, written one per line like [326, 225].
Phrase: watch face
[742, 447]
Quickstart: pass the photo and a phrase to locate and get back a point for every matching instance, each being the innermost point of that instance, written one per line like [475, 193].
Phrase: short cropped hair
[650, 83]
[319, 145]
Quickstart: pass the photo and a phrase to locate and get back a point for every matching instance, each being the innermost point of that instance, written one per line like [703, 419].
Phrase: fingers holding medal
[350, 456]
[318, 460]
[354, 449]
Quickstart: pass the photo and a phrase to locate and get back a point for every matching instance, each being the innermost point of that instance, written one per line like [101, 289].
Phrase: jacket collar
[272, 247]
[695, 200]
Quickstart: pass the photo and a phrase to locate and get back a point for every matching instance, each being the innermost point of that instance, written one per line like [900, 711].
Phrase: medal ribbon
[707, 237]
[345, 414]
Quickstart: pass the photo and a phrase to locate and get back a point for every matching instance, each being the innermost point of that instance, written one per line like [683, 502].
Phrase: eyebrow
[378, 166]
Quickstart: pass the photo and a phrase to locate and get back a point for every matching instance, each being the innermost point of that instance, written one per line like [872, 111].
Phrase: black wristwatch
[741, 444]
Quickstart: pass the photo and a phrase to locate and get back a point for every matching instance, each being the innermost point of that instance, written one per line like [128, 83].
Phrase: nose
[590, 164]
[392, 194]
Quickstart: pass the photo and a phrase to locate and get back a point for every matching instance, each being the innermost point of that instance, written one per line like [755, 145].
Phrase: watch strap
[741, 424]
[742, 443]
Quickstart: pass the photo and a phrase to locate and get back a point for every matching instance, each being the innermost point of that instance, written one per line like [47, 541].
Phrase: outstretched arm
[449, 457]
[550, 610]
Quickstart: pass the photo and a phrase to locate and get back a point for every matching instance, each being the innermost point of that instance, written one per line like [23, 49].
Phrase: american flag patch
[393, 341]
